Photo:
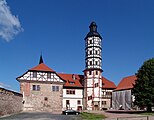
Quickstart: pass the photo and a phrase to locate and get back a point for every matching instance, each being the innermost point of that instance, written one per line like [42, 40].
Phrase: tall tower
[93, 69]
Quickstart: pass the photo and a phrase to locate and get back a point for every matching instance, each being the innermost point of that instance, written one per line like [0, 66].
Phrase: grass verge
[147, 113]
[91, 116]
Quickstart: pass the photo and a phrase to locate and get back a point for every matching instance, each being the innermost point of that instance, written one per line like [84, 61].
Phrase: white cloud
[9, 24]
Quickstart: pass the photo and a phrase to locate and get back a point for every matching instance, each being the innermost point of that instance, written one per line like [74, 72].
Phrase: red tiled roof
[42, 67]
[69, 79]
[107, 83]
[126, 83]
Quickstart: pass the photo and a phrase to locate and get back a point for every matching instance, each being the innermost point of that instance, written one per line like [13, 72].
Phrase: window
[108, 93]
[67, 102]
[89, 97]
[70, 92]
[96, 72]
[55, 88]
[96, 52]
[96, 62]
[103, 102]
[96, 84]
[35, 74]
[45, 99]
[48, 75]
[72, 82]
[90, 72]
[90, 62]
[79, 102]
[36, 87]
[90, 41]
[90, 52]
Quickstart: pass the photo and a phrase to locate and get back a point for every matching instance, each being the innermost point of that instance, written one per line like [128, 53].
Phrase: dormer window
[35, 74]
[72, 82]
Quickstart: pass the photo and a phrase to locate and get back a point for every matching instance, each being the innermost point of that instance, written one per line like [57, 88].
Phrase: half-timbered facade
[42, 89]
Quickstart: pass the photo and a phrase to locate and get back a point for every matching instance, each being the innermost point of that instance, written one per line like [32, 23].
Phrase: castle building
[44, 89]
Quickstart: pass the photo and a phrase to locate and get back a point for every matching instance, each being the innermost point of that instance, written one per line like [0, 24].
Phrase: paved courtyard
[40, 116]
[50, 116]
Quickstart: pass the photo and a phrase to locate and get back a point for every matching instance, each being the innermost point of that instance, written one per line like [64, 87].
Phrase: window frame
[67, 102]
[79, 102]
[55, 88]
[70, 91]
[34, 74]
[36, 87]
[48, 75]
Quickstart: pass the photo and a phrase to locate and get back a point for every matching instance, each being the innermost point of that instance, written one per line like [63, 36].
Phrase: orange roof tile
[126, 83]
[108, 84]
[42, 67]
[70, 82]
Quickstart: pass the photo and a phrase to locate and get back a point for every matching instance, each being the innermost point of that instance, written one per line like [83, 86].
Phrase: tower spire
[41, 59]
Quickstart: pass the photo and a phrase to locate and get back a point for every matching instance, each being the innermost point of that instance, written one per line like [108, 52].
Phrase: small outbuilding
[122, 97]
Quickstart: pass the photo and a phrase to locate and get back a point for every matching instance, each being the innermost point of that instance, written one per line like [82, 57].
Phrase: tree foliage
[144, 85]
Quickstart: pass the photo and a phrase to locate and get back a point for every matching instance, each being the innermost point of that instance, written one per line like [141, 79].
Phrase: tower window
[89, 97]
[96, 52]
[96, 84]
[96, 72]
[90, 41]
[96, 62]
[90, 52]
[90, 72]
[90, 62]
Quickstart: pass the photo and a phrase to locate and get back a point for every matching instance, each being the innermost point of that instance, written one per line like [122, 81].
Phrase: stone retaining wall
[10, 102]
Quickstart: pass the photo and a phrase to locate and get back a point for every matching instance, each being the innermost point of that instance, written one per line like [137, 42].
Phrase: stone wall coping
[6, 91]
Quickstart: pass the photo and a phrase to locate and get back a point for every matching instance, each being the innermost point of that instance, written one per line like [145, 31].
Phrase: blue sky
[57, 28]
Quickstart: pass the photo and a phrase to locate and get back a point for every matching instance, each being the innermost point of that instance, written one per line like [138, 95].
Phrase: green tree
[144, 86]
